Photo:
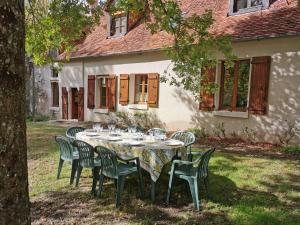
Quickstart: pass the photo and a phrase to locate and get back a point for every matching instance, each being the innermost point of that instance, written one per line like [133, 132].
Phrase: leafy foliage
[61, 24]
[58, 25]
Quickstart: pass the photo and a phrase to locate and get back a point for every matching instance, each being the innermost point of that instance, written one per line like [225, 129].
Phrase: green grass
[291, 149]
[246, 190]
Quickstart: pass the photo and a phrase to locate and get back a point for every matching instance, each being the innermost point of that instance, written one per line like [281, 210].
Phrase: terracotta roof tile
[280, 19]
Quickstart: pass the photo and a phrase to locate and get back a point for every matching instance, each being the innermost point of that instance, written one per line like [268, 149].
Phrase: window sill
[248, 10]
[54, 79]
[243, 115]
[101, 111]
[138, 106]
[54, 108]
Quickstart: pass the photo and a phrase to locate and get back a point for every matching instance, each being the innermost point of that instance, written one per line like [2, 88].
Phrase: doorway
[74, 113]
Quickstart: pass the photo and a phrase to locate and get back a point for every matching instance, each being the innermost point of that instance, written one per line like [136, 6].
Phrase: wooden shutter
[91, 92]
[260, 74]
[64, 103]
[207, 99]
[124, 89]
[112, 93]
[153, 85]
[81, 104]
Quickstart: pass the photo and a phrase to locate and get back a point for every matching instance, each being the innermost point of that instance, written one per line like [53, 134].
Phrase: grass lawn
[245, 189]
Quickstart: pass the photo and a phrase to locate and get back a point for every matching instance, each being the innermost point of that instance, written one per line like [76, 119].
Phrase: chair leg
[73, 171]
[101, 181]
[95, 179]
[193, 183]
[170, 184]
[60, 164]
[206, 184]
[79, 169]
[141, 183]
[119, 190]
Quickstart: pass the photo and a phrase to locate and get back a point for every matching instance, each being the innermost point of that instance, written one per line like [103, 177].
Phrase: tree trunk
[14, 200]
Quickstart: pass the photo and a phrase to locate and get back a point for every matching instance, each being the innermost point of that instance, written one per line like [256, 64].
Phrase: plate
[92, 134]
[115, 135]
[114, 138]
[173, 142]
[90, 131]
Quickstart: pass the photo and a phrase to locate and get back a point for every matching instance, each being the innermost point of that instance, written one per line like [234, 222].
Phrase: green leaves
[58, 25]
[63, 23]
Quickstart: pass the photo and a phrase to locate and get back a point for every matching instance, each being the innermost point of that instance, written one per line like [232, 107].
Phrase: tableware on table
[173, 142]
[114, 138]
[90, 134]
[134, 143]
[89, 130]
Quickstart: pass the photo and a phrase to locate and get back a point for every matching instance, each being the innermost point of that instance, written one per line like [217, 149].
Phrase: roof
[282, 18]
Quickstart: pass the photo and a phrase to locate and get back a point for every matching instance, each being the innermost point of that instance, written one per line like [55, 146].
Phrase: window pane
[113, 27]
[103, 93]
[228, 88]
[256, 2]
[141, 88]
[243, 84]
[239, 4]
[55, 94]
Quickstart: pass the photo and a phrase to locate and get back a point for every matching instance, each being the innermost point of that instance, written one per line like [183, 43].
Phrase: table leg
[153, 190]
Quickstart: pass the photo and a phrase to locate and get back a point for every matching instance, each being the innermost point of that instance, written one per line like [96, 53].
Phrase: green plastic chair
[87, 160]
[72, 131]
[188, 138]
[117, 168]
[67, 153]
[156, 131]
[186, 171]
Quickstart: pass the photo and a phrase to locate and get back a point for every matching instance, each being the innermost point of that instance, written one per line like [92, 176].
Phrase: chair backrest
[86, 153]
[109, 163]
[185, 136]
[72, 131]
[203, 163]
[65, 148]
[156, 131]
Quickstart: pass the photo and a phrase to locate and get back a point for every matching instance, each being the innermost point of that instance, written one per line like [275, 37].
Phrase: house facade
[118, 65]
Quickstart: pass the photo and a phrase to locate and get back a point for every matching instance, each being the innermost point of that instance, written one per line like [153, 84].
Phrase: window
[141, 89]
[235, 86]
[102, 83]
[54, 72]
[244, 6]
[55, 94]
[118, 25]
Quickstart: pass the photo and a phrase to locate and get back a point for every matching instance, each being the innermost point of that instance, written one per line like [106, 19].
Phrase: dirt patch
[239, 146]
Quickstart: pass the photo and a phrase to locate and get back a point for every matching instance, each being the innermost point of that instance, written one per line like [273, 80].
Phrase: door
[64, 103]
[81, 104]
[74, 103]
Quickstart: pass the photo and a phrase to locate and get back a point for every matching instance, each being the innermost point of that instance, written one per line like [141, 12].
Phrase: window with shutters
[55, 94]
[102, 92]
[245, 6]
[141, 89]
[118, 25]
[234, 86]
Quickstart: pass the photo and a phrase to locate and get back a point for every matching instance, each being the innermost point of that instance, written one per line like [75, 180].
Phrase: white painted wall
[178, 109]
[71, 76]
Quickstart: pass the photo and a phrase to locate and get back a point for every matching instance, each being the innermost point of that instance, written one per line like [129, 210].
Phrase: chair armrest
[182, 162]
[129, 159]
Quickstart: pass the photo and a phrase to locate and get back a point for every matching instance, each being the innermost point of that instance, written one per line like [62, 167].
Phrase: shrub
[199, 133]
[143, 120]
[249, 134]
[220, 131]
[37, 118]
[291, 149]
[289, 132]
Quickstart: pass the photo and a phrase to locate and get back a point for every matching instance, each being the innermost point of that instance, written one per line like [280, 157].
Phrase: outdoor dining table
[152, 152]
